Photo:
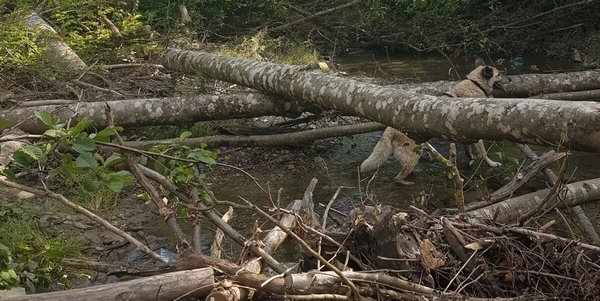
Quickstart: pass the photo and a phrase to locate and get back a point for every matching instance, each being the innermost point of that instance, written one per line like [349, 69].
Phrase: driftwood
[166, 287]
[215, 248]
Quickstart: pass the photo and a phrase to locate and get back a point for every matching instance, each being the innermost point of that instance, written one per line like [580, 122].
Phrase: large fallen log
[166, 287]
[547, 122]
[161, 111]
[525, 85]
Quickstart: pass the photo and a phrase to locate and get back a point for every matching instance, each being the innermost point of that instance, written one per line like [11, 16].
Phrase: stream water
[335, 163]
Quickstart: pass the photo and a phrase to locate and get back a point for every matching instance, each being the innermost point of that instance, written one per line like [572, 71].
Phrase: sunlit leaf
[81, 126]
[33, 151]
[184, 136]
[44, 116]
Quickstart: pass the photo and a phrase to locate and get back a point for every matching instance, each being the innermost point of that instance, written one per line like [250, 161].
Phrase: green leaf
[183, 212]
[207, 160]
[54, 252]
[114, 185]
[5, 124]
[52, 133]
[185, 135]
[45, 117]
[30, 266]
[29, 286]
[86, 160]
[104, 135]
[21, 159]
[91, 182]
[9, 173]
[83, 145]
[113, 160]
[81, 126]
[34, 152]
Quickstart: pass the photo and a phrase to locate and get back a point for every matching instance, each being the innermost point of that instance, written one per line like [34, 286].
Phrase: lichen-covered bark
[544, 122]
[159, 111]
[524, 85]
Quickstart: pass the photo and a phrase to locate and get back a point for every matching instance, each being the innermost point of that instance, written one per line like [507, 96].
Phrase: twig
[307, 248]
[215, 249]
[312, 16]
[333, 198]
[451, 165]
[536, 234]
[163, 210]
[550, 196]
[90, 86]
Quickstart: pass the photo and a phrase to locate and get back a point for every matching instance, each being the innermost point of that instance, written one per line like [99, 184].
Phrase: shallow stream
[334, 162]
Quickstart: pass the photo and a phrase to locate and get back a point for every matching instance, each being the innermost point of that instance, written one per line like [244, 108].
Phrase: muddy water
[335, 163]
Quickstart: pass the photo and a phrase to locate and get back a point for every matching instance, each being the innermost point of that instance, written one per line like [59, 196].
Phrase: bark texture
[524, 85]
[195, 283]
[543, 122]
[160, 111]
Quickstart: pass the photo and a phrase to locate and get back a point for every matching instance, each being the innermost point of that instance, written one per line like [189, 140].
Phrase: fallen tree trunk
[58, 51]
[166, 287]
[570, 195]
[526, 85]
[161, 111]
[548, 122]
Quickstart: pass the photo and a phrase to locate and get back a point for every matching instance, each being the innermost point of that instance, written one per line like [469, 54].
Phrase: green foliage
[29, 258]
[184, 173]
[18, 43]
[80, 25]
[82, 164]
[163, 16]
[261, 47]
[416, 7]
[22, 60]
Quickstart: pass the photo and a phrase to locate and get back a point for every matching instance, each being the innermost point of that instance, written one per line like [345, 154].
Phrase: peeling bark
[160, 111]
[547, 122]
